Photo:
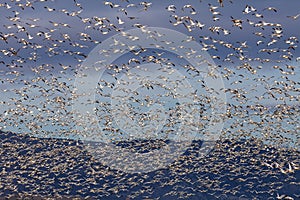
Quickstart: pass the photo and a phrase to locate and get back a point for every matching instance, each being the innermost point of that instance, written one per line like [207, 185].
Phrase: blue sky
[155, 16]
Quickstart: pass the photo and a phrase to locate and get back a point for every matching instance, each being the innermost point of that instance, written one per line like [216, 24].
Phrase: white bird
[248, 9]
[120, 21]
[171, 8]
[270, 9]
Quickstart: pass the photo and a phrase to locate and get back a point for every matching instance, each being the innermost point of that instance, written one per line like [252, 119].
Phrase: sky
[155, 16]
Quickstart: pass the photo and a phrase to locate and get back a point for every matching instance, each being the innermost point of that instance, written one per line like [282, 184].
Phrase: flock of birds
[61, 169]
[39, 59]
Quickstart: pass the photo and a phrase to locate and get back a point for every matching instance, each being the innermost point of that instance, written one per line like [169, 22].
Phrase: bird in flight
[295, 17]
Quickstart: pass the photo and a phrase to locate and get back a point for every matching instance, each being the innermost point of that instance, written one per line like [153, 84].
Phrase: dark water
[64, 169]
